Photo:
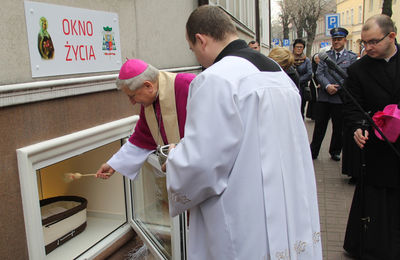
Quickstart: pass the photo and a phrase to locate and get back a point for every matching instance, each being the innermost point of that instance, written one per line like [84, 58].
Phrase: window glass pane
[237, 10]
[222, 3]
[245, 6]
[150, 200]
[252, 15]
[264, 22]
[230, 4]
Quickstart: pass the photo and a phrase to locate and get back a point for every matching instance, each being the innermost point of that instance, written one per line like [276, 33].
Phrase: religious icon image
[108, 39]
[45, 44]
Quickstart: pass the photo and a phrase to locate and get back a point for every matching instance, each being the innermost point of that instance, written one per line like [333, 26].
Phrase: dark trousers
[303, 105]
[324, 112]
[311, 110]
[381, 239]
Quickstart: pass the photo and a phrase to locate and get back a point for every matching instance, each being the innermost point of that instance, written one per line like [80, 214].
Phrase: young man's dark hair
[301, 41]
[213, 22]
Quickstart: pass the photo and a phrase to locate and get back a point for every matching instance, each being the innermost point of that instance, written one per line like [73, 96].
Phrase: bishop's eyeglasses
[373, 42]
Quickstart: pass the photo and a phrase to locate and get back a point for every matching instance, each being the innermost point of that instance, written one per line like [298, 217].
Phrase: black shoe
[335, 157]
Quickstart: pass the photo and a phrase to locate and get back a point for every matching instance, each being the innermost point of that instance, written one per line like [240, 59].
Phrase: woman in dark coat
[303, 67]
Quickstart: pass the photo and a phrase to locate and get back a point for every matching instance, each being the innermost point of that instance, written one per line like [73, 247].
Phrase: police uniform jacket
[324, 75]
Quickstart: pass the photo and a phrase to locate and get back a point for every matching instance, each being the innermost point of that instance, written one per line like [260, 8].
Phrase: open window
[164, 236]
[99, 211]
[42, 169]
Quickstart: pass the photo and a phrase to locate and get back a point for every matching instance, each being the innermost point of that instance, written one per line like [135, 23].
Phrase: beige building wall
[149, 30]
[351, 18]
[373, 7]
[320, 36]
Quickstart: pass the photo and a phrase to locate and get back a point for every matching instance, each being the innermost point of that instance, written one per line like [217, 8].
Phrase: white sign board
[331, 21]
[66, 40]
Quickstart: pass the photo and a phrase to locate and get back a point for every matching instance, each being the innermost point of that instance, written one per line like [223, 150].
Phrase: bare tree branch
[304, 14]
[284, 18]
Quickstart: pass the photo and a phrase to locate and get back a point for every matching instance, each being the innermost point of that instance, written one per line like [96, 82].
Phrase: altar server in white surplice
[244, 167]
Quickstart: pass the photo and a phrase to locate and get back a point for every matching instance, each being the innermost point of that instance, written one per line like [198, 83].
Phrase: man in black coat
[374, 81]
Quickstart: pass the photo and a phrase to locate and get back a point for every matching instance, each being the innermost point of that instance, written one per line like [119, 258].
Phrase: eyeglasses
[373, 42]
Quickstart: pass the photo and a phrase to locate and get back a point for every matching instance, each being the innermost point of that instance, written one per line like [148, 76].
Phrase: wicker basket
[63, 218]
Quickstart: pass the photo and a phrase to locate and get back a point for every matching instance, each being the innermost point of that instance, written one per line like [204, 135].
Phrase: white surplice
[244, 168]
[129, 160]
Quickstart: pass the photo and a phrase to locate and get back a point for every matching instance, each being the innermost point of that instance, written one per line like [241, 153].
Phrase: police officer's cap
[338, 32]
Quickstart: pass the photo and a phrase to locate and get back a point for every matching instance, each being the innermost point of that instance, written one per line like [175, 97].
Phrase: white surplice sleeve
[129, 159]
[199, 167]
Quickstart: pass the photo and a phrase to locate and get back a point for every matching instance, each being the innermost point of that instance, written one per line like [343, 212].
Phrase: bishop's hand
[105, 171]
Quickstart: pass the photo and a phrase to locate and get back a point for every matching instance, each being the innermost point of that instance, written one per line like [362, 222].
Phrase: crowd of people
[240, 159]
[372, 83]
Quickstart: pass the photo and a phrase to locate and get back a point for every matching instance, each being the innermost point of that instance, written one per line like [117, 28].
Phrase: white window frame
[36, 156]
[245, 19]
[28, 92]
[265, 17]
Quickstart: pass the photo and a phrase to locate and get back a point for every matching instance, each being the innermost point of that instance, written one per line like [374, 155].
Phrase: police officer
[329, 103]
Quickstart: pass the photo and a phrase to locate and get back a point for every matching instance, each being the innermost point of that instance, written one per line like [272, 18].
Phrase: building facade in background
[252, 19]
[372, 7]
[353, 13]
[351, 18]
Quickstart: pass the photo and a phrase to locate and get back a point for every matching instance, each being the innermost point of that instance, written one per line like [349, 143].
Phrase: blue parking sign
[275, 41]
[324, 44]
[331, 21]
[286, 42]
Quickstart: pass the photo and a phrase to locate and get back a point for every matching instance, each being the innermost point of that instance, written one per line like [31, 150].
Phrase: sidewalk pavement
[334, 198]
